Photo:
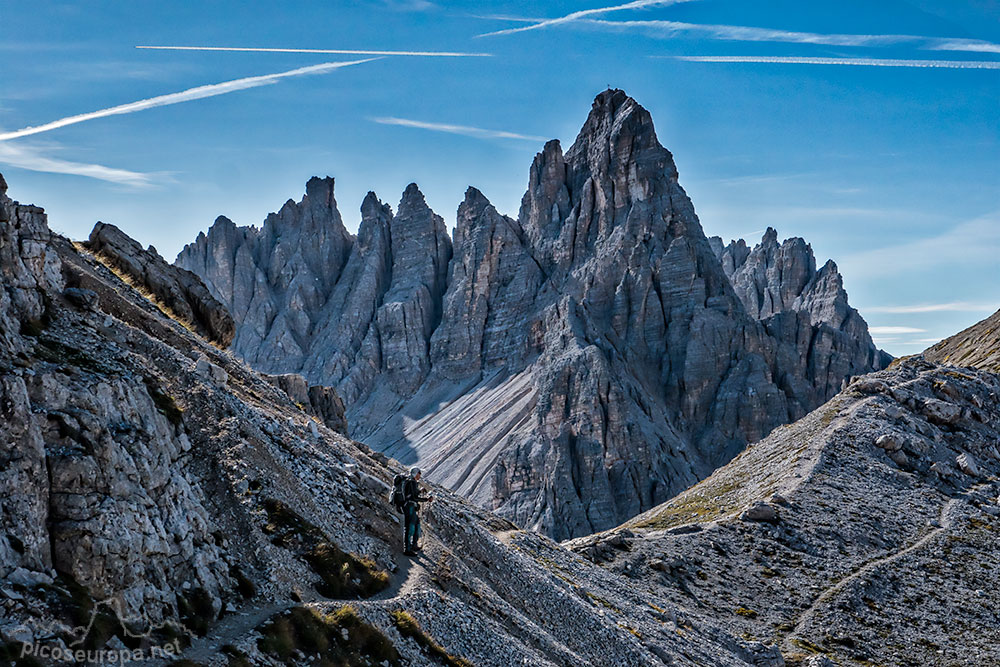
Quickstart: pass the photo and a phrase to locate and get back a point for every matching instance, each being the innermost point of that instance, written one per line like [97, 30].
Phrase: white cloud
[465, 130]
[348, 52]
[877, 331]
[975, 242]
[33, 159]
[188, 95]
[975, 45]
[575, 16]
[868, 62]
[952, 307]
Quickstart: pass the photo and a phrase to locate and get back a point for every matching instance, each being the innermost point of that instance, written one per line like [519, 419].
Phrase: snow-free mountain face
[155, 490]
[570, 368]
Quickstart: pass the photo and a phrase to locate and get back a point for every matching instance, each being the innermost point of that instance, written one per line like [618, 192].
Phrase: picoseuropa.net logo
[100, 656]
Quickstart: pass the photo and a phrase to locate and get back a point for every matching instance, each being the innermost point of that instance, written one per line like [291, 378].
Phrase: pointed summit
[614, 113]
[320, 191]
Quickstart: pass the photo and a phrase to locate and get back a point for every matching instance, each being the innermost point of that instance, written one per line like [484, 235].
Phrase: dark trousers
[411, 526]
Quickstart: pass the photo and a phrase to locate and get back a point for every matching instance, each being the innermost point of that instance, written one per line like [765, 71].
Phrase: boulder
[85, 299]
[760, 511]
[889, 442]
[967, 464]
[941, 412]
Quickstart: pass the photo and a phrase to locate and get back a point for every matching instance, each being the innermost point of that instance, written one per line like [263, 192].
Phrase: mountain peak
[615, 114]
[320, 190]
[412, 198]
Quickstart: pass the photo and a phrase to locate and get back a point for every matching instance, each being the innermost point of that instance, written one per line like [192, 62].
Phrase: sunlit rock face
[569, 368]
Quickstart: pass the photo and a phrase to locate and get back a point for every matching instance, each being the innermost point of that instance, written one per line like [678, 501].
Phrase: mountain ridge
[599, 318]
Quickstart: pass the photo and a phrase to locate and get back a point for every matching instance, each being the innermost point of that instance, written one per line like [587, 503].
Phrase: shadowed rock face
[570, 368]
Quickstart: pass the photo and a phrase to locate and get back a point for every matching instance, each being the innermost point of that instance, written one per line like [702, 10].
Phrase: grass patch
[146, 293]
[235, 657]
[807, 645]
[597, 599]
[978, 524]
[73, 602]
[409, 627]
[338, 639]
[345, 575]
[285, 526]
[10, 656]
[702, 503]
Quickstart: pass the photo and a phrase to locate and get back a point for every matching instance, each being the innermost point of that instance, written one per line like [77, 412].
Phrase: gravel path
[826, 597]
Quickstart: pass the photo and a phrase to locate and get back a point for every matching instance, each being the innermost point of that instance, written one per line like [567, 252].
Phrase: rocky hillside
[977, 346]
[156, 492]
[865, 533]
[570, 368]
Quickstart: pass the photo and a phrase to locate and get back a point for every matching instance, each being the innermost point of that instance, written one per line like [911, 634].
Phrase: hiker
[411, 512]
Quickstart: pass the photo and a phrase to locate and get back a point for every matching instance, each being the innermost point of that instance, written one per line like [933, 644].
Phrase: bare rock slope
[864, 533]
[977, 346]
[570, 368]
[155, 489]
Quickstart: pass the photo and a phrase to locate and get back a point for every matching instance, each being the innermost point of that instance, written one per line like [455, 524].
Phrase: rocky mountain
[780, 285]
[157, 493]
[977, 346]
[568, 369]
[864, 533]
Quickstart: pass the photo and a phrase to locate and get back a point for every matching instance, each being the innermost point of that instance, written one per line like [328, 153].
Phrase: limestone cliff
[569, 368]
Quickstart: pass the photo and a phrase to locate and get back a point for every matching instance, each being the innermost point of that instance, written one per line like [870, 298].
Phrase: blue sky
[879, 143]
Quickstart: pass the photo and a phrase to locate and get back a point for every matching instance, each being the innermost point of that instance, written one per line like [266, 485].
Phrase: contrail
[669, 29]
[32, 159]
[636, 4]
[188, 95]
[870, 62]
[349, 52]
[477, 132]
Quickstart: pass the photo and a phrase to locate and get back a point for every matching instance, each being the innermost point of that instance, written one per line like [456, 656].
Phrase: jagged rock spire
[569, 368]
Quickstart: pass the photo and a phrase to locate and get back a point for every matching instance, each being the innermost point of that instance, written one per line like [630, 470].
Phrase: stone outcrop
[319, 401]
[568, 368]
[180, 291]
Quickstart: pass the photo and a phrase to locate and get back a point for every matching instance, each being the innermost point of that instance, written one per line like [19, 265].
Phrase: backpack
[398, 499]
